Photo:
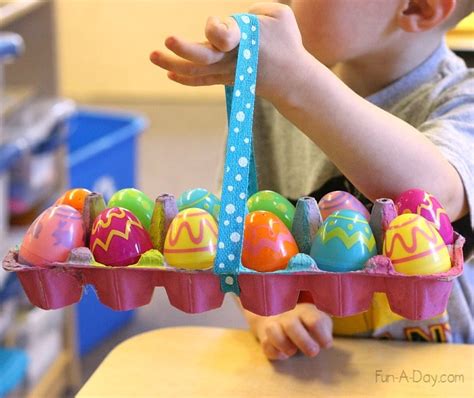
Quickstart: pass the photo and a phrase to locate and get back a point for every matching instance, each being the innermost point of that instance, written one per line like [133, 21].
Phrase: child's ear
[420, 15]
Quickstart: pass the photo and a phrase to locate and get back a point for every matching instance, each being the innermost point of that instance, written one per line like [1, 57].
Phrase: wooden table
[212, 362]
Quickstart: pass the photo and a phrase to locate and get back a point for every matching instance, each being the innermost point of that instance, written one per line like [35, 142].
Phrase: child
[389, 107]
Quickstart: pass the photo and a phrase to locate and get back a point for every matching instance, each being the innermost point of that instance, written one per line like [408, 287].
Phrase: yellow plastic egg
[191, 240]
[415, 247]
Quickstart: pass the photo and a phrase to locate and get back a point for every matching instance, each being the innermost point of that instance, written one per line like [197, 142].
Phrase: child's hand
[213, 62]
[304, 328]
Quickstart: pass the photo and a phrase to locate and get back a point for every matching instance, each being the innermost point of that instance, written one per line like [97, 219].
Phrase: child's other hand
[213, 62]
[304, 328]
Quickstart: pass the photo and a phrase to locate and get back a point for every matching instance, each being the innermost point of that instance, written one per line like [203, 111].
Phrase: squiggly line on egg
[416, 256]
[335, 201]
[431, 237]
[195, 202]
[265, 243]
[124, 235]
[429, 208]
[63, 213]
[196, 239]
[110, 217]
[348, 240]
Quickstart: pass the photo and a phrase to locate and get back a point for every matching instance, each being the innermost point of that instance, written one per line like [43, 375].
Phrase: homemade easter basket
[339, 294]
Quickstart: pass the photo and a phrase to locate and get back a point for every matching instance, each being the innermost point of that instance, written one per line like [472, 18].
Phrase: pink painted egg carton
[339, 294]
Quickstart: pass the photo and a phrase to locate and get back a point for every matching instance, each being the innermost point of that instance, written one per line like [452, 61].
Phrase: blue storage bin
[13, 364]
[102, 149]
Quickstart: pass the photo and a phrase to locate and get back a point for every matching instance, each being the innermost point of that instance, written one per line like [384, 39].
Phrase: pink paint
[417, 201]
[339, 294]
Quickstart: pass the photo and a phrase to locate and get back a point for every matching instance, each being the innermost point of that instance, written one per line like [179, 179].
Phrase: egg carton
[339, 294]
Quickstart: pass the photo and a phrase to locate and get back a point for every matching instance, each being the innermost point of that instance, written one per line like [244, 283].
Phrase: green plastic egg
[135, 201]
[274, 203]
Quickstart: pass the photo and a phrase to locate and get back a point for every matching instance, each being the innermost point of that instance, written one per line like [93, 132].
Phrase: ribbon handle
[240, 180]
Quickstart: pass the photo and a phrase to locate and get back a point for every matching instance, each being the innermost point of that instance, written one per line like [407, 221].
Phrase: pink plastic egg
[419, 202]
[51, 237]
[118, 238]
[340, 200]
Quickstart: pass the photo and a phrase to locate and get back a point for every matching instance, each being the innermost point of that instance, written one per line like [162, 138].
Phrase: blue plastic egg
[344, 242]
[202, 199]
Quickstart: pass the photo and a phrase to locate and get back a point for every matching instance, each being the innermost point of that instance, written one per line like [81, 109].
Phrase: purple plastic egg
[419, 202]
[341, 200]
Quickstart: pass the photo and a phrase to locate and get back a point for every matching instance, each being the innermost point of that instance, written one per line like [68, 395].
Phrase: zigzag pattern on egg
[174, 235]
[114, 233]
[269, 244]
[105, 224]
[348, 240]
[432, 237]
[431, 206]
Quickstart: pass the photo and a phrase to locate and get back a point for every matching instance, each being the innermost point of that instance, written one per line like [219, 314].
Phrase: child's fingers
[223, 35]
[201, 53]
[182, 66]
[271, 352]
[206, 80]
[301, 338]
[272, 10]
[278, 338]
[319, 326]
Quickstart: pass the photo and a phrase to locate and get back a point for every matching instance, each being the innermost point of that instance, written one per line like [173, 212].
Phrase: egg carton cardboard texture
[340, 294]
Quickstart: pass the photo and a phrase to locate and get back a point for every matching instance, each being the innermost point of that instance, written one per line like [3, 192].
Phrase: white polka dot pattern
[240, 180]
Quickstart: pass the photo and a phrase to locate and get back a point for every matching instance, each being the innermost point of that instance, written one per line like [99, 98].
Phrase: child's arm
[360, 139]
[304, 328]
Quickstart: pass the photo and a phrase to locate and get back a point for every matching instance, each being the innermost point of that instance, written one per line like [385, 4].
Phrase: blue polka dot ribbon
[240, 179]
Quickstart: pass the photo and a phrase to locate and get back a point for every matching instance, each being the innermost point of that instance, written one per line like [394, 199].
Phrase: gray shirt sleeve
[450, 126]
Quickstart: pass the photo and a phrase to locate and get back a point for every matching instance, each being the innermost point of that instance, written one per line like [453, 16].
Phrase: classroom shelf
[10, 10]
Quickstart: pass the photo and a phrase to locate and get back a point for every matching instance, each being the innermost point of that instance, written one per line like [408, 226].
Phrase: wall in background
[104, 46]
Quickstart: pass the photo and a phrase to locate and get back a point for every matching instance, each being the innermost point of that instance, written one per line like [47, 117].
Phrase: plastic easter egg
[268, 244]
[426, 205]
[202, 199]
[51, 237]
[118, 238]
[339, 200]
[344, 242]
[74, 198]
[135, 201]
[274, 203]
[191, 240]
[415, 247]
[301, 263]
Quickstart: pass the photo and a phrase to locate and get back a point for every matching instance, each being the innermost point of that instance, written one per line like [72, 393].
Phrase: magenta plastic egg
[51, 237]
[419, 202]
[341, 200]
[118, 238]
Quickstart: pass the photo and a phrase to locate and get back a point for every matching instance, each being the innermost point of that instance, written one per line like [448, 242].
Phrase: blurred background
[82, 106]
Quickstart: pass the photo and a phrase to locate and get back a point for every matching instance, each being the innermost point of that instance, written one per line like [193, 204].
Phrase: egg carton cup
[414, 297]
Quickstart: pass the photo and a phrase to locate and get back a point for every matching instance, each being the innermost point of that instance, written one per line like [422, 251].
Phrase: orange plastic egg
[51, 237]
[268, 244]
[74, 198]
